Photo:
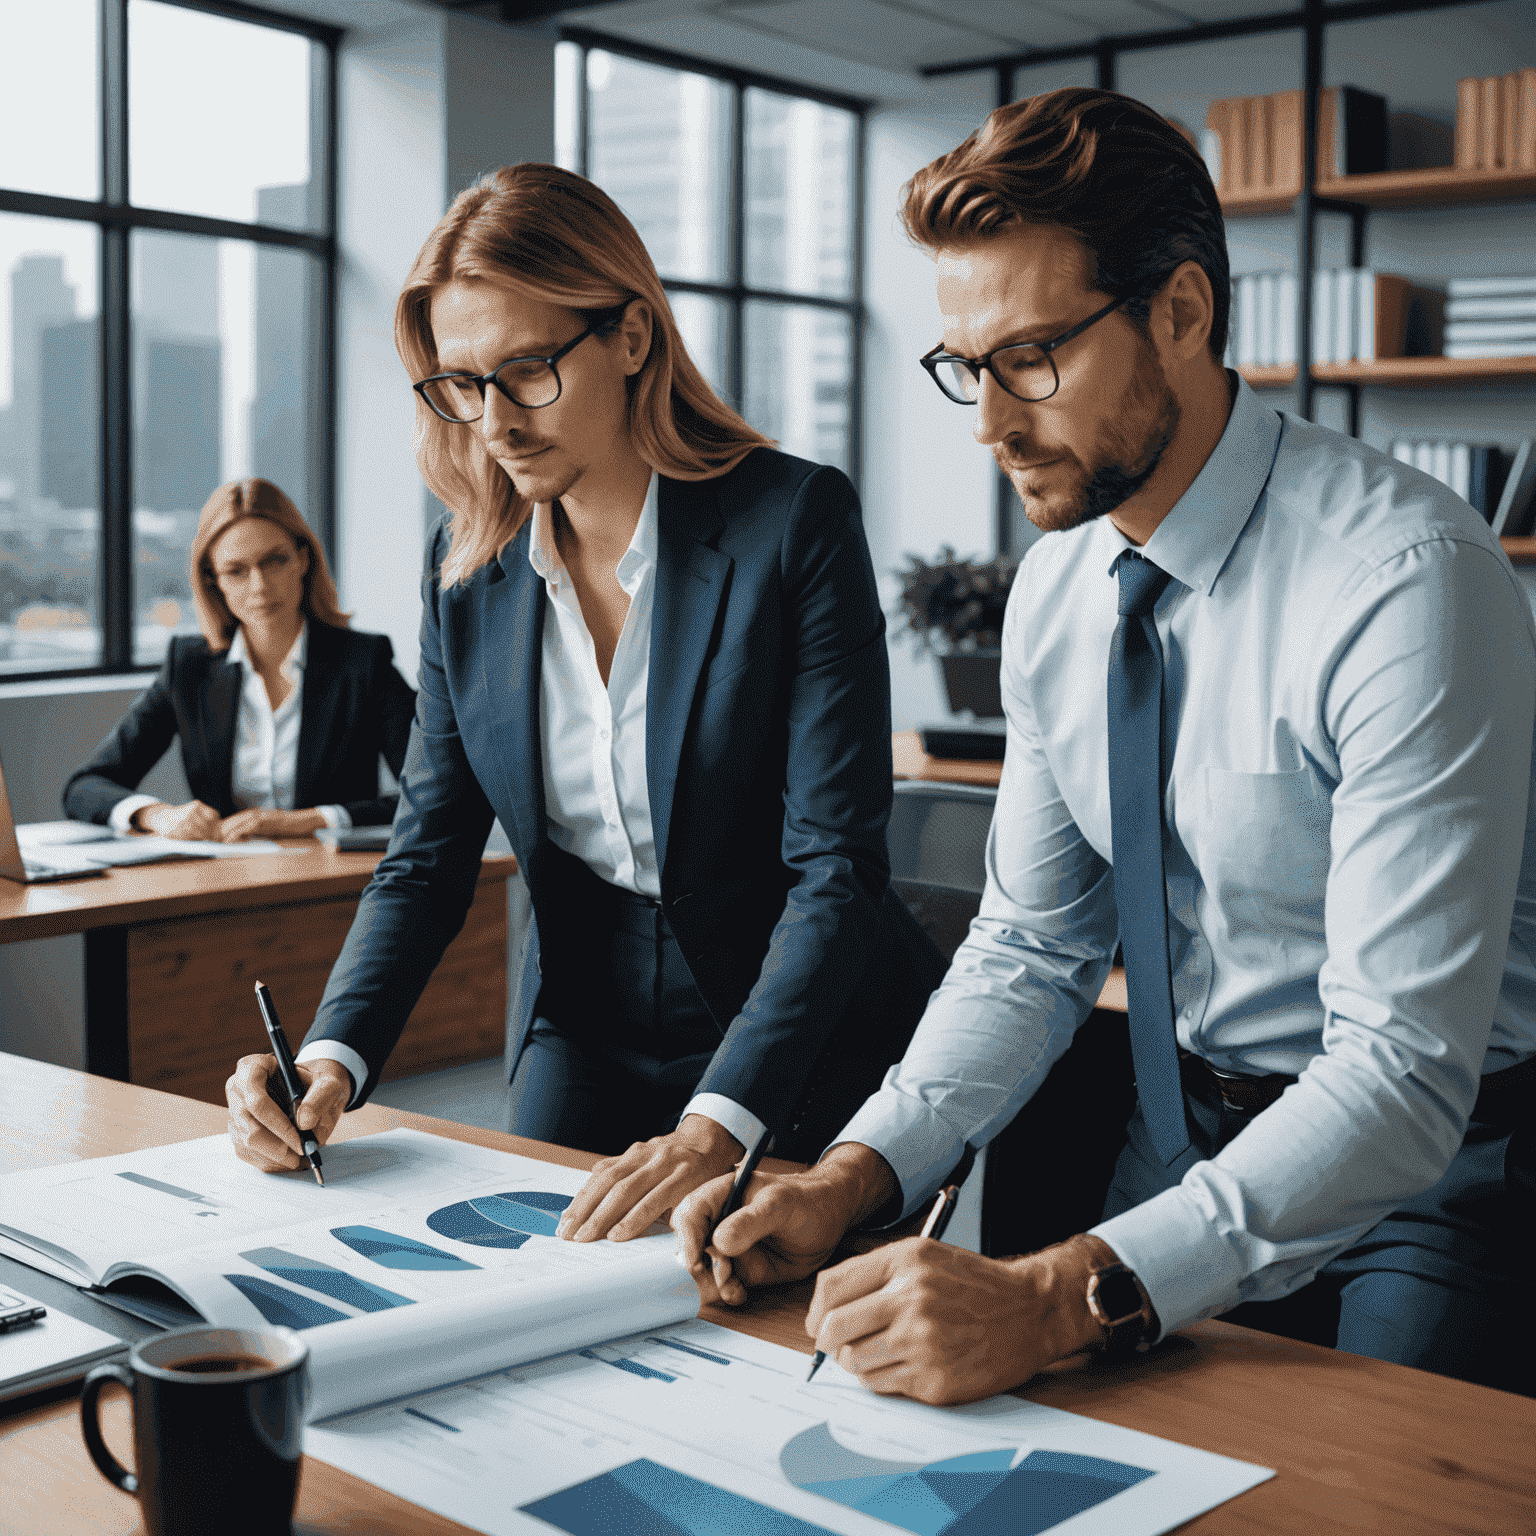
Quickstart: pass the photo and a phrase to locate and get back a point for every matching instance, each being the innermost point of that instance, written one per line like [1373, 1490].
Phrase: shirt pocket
[1264, 849]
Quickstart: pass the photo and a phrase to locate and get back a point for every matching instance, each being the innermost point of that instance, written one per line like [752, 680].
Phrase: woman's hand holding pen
[789, 1225]
[262, 1134]
[625, 1194]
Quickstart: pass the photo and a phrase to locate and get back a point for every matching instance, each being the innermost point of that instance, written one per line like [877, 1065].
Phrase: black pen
[744, 1176]
[290, 1076]
[938, 1219]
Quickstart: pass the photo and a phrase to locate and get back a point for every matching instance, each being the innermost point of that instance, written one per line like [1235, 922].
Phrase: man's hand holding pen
[263, 1135]
[917, 1317]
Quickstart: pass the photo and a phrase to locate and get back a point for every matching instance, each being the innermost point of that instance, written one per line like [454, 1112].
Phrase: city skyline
[184, 333]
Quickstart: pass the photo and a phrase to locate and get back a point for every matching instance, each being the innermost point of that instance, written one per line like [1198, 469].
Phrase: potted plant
[955, 609]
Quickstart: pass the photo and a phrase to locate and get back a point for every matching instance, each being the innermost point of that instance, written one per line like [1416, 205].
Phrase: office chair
[937, 840]
[1045, 1175]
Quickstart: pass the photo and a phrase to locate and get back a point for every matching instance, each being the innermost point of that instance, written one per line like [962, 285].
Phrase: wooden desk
[172, 952]
[1359, 1445]
[911, 762]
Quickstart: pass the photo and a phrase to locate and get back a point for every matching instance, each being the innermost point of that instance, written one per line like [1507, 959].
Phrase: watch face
[1117, 1297]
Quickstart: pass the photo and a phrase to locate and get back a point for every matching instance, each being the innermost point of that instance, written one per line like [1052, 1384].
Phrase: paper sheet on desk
[107, 847]
[696, 1428]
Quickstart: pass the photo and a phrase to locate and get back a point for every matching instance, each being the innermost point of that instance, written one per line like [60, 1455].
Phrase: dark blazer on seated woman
[768, 769]
[356, 707]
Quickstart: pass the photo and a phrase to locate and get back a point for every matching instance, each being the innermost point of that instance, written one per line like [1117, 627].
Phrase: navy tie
[1136, 830]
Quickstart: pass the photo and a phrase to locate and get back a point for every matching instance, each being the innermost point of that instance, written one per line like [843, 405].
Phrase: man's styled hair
[1126, 182]
[555, 236]
[233, 503]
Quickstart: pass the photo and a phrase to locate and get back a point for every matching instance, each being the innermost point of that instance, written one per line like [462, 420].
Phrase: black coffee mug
[217, 1417]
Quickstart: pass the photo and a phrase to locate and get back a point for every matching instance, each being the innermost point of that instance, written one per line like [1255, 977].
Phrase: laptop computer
[40, 864]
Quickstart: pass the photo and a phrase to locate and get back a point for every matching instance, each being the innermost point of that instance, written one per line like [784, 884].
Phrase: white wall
[425, 107]
[926, 482]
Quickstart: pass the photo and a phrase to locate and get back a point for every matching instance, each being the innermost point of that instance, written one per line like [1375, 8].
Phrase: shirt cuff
[121, 819]
[729, 1116]
[334, 1050]
[335, 817]
[912, 1137]
[1189, 1270]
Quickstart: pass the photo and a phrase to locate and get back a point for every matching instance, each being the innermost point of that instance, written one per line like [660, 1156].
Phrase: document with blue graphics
[423, 1261]
[695, 1430]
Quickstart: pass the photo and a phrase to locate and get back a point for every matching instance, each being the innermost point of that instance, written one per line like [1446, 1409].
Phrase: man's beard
[1127, 454]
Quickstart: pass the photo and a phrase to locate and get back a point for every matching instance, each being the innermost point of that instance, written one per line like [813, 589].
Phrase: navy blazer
[356, 706]
[768, 765]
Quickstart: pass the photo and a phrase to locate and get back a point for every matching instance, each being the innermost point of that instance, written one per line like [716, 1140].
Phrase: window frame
[736, 292]
[116, 219]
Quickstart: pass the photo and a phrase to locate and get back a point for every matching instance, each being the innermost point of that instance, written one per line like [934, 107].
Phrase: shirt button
[602, 735]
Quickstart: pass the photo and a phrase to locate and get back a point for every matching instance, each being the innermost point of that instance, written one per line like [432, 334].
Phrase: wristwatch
[1119, 1304]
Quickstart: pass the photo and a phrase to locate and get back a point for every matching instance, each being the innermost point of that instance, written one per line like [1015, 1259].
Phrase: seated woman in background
[281, 710]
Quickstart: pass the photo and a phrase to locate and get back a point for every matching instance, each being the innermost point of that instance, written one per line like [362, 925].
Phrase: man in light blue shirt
[1334, 1022]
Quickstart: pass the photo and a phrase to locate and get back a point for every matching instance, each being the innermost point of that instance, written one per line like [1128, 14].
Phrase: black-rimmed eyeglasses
[1026, 370]
[530, 382]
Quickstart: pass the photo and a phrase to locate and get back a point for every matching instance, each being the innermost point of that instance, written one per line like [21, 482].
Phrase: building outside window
[165, 313]
[746, 193]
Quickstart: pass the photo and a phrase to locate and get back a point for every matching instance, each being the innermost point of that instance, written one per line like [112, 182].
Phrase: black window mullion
[856, 375]
[322, 356]
[738, 192]
[116, 472]
[583, 113]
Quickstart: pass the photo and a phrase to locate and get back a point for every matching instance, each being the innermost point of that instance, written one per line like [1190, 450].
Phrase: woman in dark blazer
[282, 712]
[652, 647]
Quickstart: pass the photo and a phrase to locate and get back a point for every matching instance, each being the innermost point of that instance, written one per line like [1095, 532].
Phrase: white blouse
[266, 742]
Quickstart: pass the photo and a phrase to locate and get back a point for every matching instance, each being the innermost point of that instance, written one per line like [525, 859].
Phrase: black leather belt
[1503, 1098]
[1237, 1090]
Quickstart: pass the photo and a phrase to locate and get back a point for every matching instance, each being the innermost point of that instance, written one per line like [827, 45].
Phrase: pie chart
[506, 1220]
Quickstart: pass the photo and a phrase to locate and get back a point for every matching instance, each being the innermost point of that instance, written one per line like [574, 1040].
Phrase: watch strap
[1119, 1304]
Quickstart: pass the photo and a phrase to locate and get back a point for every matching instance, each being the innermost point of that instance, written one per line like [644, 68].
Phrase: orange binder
[1490, 124]
[1524, 157]
[1218, 119]
[1509, 112]
[1467, 119]
[1286, 140]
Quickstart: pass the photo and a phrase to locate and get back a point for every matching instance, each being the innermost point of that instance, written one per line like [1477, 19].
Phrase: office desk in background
[173, 951]
[1359, 1445]
[911, 762]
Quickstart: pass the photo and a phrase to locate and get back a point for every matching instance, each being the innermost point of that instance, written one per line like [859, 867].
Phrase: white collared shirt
[596, 794]
[596, 802]
[266, 755]
[1351, 886]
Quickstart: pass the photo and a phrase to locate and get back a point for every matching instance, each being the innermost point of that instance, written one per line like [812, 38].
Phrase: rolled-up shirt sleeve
[1429, 696]
[1025, 978]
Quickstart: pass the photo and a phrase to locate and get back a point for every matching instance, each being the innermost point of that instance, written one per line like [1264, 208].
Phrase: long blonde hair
[231, 504]
[558, 238]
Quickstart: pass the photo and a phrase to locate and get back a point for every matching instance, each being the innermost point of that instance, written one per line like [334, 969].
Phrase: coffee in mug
[217, 1418]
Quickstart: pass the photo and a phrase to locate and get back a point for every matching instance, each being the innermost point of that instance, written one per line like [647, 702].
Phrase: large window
[746, 193]
[167, 265]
